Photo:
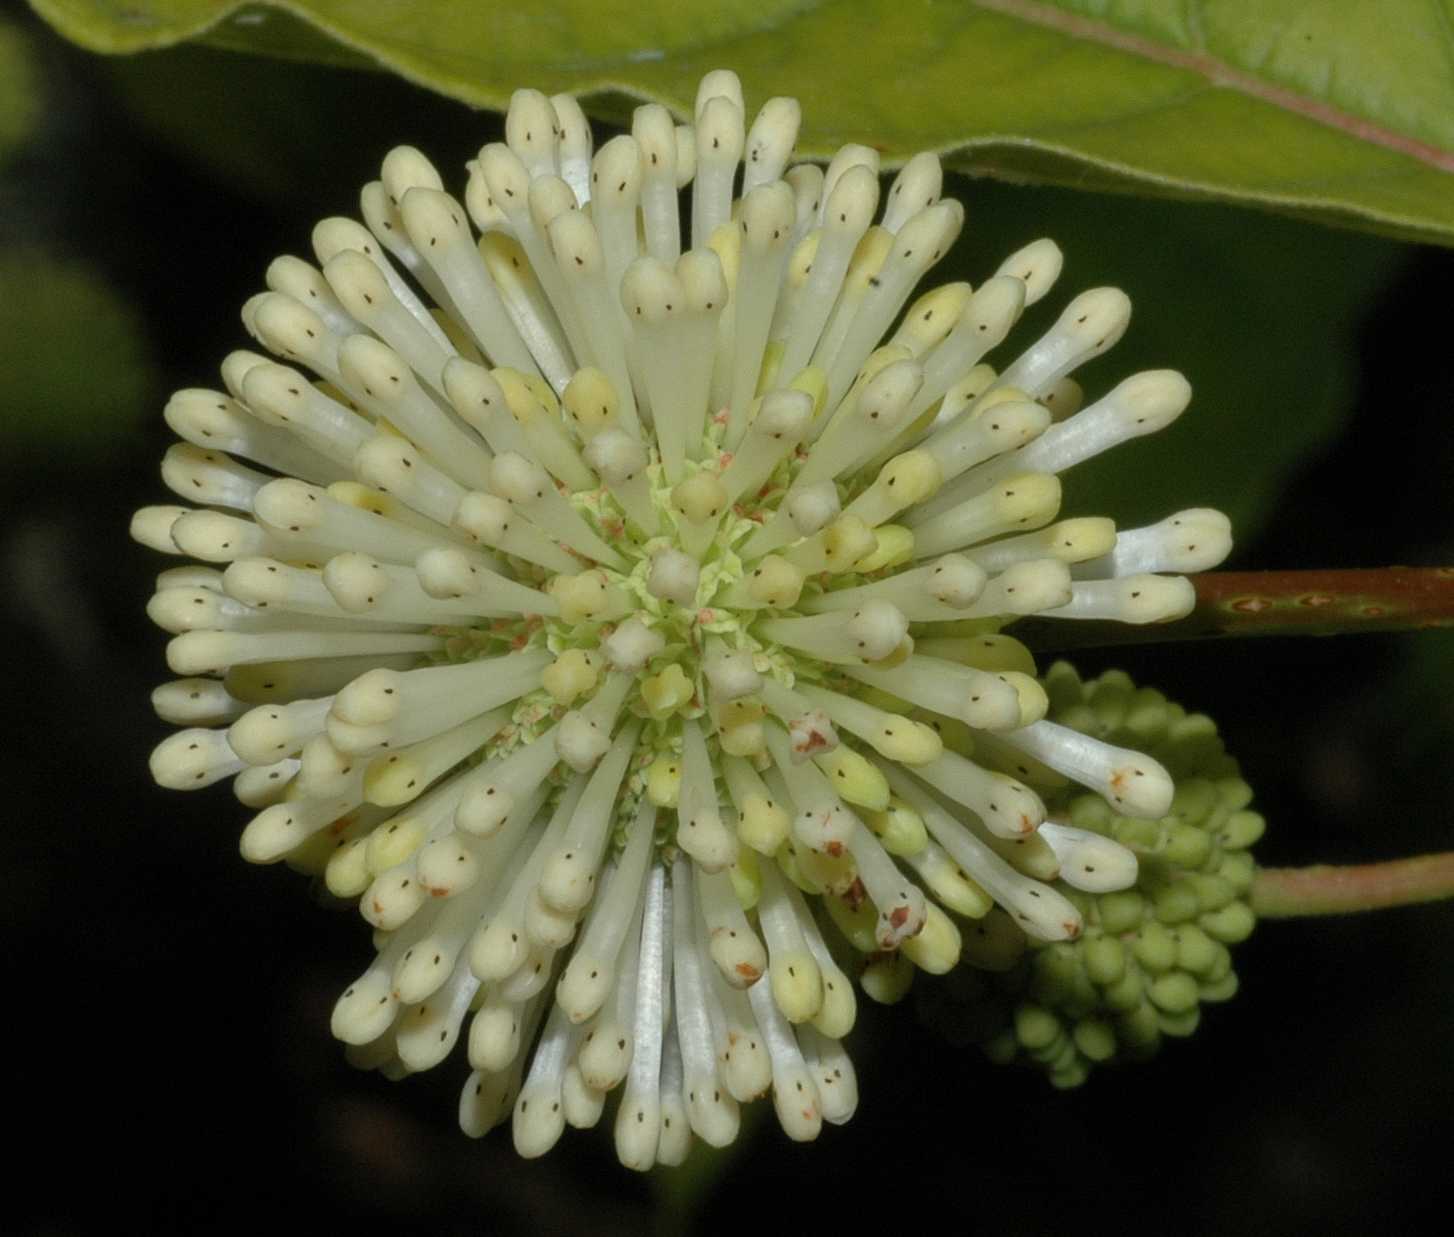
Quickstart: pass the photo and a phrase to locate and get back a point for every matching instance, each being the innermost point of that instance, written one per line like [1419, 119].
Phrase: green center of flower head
[625, 633]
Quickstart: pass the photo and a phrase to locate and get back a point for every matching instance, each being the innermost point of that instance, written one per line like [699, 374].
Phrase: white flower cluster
[586, 625]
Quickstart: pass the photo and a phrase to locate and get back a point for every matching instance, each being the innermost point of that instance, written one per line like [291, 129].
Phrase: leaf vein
[1222, 75]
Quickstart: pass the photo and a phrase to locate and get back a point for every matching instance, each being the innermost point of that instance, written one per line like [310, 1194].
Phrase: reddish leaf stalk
[1323, 889]
[1278, 603]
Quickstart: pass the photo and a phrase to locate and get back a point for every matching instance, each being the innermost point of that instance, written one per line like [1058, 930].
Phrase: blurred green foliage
[74, 370]
[77, 374]
[18, 103]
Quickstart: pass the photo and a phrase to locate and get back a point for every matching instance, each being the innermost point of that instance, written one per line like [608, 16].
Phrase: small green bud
[1054, 969]
[1180, 1025]
[1122, 911]
[1212, 891]
[1174, 992]
[1064, 686]
[1069, 1076]
[1081, 717]
[1221, 964]
[1036, 1028]
[1219, 989]
[1194, 801]
[1231, 924]
[1155, 948]
[1127, 992]
[1139, 1028]
[1110, 697]
[1241, 829]
[1195, 738]
[1186, 845]
[1177, 903]
[1238, 870]
[1096, 1038]
[1234, 793]
[1105, 959]
[1091, 812]
[1147, 717]
[1140, 835]
[1195, 950]
[1060, 1055]
[1082, 998]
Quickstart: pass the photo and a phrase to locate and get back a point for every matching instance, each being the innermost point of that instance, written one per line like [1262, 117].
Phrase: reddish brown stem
[1288, 893]
[1277, 603]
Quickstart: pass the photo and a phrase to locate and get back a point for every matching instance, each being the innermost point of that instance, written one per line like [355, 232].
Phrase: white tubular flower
[610, 603]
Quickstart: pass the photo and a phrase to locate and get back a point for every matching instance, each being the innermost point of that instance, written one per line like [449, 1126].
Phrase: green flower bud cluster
[1150, 956]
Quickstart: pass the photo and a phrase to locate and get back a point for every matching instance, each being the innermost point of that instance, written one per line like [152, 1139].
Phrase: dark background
[169, 1064]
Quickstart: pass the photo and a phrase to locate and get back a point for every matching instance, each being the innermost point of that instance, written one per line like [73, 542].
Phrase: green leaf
[18, 88]
[1342, 110]
[74, 372]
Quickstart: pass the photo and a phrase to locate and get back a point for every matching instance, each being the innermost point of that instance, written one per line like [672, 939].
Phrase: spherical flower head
[602, 582]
